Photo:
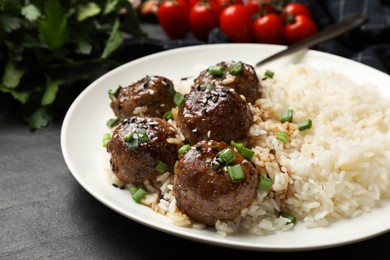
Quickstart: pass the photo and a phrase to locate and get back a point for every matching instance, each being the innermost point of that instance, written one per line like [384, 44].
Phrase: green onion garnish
[286, 116]
[304, 125]
[178, 98]
[264, 184]
[171, 90]
[282, 136]
[216, 70]
[132, 189]
[238, 146]
[139, 195]
[235, 172]
[113, 94]
[227, 155]
[184, 149]
[128, 137]
[269, 74]
[235, 68]
[133, 144]
[112, 122]
[161, 167]
[134, 138]
[168, 115]
[247, 153]
[290, 217]
[106, 138]
[244, 151]
[142, 136]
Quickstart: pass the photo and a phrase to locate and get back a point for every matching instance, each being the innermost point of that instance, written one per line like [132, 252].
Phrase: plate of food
[198, 143]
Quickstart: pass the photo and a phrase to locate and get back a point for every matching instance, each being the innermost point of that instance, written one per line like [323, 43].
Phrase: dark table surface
[46, 214]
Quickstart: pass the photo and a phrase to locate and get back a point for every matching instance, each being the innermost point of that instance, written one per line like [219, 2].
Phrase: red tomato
[253, 7]
[202, 19]
[173, 18]
[219, 5]
[293, 9]
[236, 23]
[301, 28]
[193, 2]
[269, 29]
[259, 7]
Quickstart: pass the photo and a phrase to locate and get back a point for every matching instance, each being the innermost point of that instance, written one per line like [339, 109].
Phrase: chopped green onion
[304, 125]
[142, 136]
[286, 116]
[269, 74]
[112, 122]
[238, 146]
[227, 155]
[171, 90]
[184, 149]
[282, 136]
[292, 219]
[128, 137]
[247, 153]
[132, 144]
[178, 98]
[168, 115]
[235, 68]
[235, 172]
[132, 189]
[161, 167]
[216, 70]
[244, 151]
[106, 138]
[113, 94]
[139, 195]
[264, 184]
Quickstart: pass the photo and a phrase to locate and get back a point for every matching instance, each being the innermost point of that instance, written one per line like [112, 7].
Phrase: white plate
[84, 126]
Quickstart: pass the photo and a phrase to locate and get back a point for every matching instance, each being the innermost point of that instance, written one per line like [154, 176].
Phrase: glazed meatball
[203, 188]
[213, 113]
[151, 96]
[240, 76]
[137, 146]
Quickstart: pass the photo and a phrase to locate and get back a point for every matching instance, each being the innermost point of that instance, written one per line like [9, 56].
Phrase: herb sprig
[48, 48]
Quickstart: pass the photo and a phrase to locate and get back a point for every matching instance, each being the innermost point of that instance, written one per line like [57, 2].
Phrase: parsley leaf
[88, 10]
[114, 41]
[12, 75]
[9, 23]
[50, 93]
[53, 29]
[31, 12]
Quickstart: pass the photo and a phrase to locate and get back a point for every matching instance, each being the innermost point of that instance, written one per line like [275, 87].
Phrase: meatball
[240, 76]
[151, 96]
[213, 113]
[137, 146]
[204, 190]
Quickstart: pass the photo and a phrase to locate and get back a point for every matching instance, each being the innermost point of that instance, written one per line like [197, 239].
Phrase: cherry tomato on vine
[193, 2]
[173, 18]
[219, 5]
[253, 7]
[293, 9]
[302, 27]
[235, 21]
[269, 29]
[202, 19]
[259, 7]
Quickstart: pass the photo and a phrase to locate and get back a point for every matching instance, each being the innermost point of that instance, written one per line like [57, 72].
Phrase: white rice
[337, 169]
